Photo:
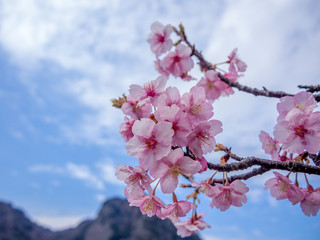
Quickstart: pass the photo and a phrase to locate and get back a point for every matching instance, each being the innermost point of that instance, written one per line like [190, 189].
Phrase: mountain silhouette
[116, 220]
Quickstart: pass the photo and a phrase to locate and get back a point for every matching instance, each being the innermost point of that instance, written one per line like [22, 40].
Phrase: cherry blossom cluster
[281, 187]
[297, 130]
[170, 133]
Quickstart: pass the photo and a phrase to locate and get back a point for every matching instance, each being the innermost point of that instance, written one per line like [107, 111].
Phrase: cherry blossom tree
[170, 134]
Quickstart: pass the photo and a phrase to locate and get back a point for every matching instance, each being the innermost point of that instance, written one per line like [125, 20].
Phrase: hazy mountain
[116, 220]
[14, 225]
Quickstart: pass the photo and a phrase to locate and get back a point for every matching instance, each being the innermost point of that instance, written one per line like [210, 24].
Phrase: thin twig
[244, 176]
[207, 65]
[291, 166]
[310, 88]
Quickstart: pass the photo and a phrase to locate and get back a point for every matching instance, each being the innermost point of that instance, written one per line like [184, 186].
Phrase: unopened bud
[220, 147]
[177, 43]
[153, 118]
[224, 159]
[117, 103]
[193, 195]
[185, 185]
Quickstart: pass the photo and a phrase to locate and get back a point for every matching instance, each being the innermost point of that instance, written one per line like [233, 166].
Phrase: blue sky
[62, 61]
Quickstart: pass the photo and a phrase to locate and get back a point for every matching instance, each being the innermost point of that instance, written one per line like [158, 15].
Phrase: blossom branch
[315, 158]
[256, 92]
[310, 88]
[171, 133]
[220, 147]
[292, 166]
[244, 176]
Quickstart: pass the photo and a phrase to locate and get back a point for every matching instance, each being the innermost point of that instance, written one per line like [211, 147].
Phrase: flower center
[227, 196]
[149, 88]
[300, 131]
[150, 143]
[283, 187]
[210, 85]
[176, 170]
[160, 38]
[197, 108]
[176, 59]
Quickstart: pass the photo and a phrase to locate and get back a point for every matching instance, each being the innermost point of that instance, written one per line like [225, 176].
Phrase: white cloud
[272, 201]
[101, 198]
[275, 39]
[255, 195]
[45, 168]
[107, 172]
[208, 237]
[17, 134]
[57, 223]
[230, 232]
[257, 233]
[55, 183]
[96, 177]
[83, 172]
[103, 44]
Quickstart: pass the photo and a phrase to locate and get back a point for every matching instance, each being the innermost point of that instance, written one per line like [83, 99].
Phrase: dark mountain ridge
[116, 220]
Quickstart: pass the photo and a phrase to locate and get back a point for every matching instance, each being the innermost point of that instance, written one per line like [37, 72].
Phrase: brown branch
[292, 166]
[315, 158]
[244, 176]
[254, 91]
[228, 152]
[207, 65]
[311, 88]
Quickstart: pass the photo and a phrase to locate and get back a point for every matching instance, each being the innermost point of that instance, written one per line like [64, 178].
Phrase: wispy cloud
[45, 168]
[103, 45]
[255, 195]
[101, 198]
[83, 173]
[102, 173]
[107, 172]
[58, 223]
[209, 237]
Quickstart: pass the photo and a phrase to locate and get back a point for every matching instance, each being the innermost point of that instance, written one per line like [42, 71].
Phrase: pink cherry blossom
[177, 209]
[149, 205]
[159, 38]
[150, 142]
[196, 105]
[269, 145]
[179, 61]
[160, 69]
[177, 117]
[171, 167]
[310, 205]
[301, 103]
[212, 84]
[191, 225]
[169, 97]
[201, 139]
[236, 65]
[151, 90]
[300, 132]
[136, 109]
[228, 90]
[186, 77]
[281, 188]
[137, 180]
[203, 186]
[223, 196]
[203, 163]
[126, 129]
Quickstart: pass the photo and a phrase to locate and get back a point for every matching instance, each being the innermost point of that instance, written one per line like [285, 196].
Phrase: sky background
[62, 61]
